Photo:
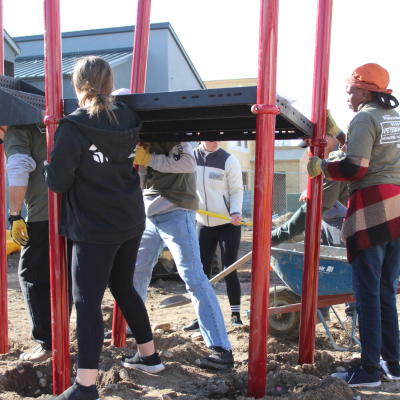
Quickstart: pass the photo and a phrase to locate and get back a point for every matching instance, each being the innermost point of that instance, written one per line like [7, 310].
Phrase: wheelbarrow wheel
[285, 326]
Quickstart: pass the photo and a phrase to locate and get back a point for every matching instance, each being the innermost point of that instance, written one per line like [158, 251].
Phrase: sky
[221, 38]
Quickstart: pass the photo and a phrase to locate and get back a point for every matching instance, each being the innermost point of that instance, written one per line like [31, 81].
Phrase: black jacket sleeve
[65, 157]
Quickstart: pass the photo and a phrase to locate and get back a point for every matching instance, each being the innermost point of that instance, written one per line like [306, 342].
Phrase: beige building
[230, 83]
[243, 150]
[290, 166]
[290, 177]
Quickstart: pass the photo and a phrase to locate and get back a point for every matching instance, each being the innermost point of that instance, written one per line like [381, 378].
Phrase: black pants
[34, 278]
[228, 236]
[93, 267]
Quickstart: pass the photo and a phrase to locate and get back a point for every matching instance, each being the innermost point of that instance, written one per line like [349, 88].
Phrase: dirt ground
[180, 353]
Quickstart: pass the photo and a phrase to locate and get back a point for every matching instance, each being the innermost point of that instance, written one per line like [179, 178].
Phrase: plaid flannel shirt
[373, 218]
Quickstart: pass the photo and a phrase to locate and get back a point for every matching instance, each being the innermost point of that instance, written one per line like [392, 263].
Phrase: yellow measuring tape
[216, 215]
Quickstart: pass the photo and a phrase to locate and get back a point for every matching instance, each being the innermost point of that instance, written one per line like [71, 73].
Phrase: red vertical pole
[2, 40]
[265, 128]
[140, 47]
[58, 266]
[314, 188]
[138, 82]
[3, 223]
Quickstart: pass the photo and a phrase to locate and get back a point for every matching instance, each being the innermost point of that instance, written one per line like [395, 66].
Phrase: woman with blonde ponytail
[102, 212]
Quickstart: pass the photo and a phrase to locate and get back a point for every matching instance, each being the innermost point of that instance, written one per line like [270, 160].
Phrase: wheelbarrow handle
[216, 215]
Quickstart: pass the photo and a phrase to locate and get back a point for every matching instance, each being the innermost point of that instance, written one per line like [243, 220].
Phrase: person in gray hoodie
[102, 212]
[168, 173]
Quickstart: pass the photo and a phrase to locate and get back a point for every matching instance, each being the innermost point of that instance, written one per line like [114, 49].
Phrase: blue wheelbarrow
[334, 287]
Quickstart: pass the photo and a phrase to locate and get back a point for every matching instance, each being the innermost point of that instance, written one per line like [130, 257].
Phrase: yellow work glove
[331, 126]
[142, 155]
[314, 166]
[19, 233]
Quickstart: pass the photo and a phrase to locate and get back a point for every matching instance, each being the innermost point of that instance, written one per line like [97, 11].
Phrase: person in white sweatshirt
[220, 190]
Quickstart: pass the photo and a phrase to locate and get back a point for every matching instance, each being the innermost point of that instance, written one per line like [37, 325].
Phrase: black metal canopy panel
[20, 102]
[192, 115]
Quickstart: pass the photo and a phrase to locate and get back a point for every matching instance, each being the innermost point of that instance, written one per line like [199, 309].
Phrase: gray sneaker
[79, 392]
[151, 364]
[38, 354]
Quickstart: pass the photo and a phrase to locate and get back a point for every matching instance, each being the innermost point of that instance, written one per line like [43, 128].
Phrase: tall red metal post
[138, 82]
[140, 47]
[3, 223]
[58, 264]
[265, 139]
[314, 188]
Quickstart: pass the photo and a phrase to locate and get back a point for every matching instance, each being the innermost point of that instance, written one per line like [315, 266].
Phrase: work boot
[151, 364]
[219, 359]
[38, 354]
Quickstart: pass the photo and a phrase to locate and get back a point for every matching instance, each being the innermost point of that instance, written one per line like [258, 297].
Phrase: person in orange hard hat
[372, 226]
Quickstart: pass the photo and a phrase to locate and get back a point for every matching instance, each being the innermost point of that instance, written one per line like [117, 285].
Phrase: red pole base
[118, 337]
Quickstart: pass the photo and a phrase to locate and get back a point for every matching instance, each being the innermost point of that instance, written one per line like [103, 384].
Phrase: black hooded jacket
[92, 166]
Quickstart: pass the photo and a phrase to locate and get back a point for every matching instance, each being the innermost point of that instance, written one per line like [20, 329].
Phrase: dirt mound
[301, 386]
[28, 380]
[180, 353]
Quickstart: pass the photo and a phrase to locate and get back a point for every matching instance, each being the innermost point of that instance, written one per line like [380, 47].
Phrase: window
[239, 145]
[8, 68]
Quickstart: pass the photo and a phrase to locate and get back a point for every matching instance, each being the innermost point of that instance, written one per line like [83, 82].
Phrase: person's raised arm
[356, 163]
[179, 160]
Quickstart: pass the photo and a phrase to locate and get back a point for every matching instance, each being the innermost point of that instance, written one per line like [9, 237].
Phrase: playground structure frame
[267, 120]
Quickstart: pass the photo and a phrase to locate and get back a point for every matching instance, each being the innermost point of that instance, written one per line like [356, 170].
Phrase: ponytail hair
[385, 100]
[94, 78]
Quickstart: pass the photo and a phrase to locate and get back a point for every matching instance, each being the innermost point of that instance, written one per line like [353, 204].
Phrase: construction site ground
[180, 352]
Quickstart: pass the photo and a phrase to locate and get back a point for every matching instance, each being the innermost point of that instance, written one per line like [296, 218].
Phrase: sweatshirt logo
[98, 156]
[177, 152]
[216, 176]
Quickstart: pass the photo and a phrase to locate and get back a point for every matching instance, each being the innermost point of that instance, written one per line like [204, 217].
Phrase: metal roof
[106, 31]
[33, 67]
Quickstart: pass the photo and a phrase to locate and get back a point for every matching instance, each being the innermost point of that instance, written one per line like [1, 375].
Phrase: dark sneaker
[38, 354]
[107, 335]
[219, 359]
[192, 327]
[235, 321]
[150, 364]
[79, 392]
[391, 371]
[358, 377]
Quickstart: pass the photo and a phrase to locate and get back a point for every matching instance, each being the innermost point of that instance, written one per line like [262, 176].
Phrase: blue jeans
[375, 277]
[177, 230]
